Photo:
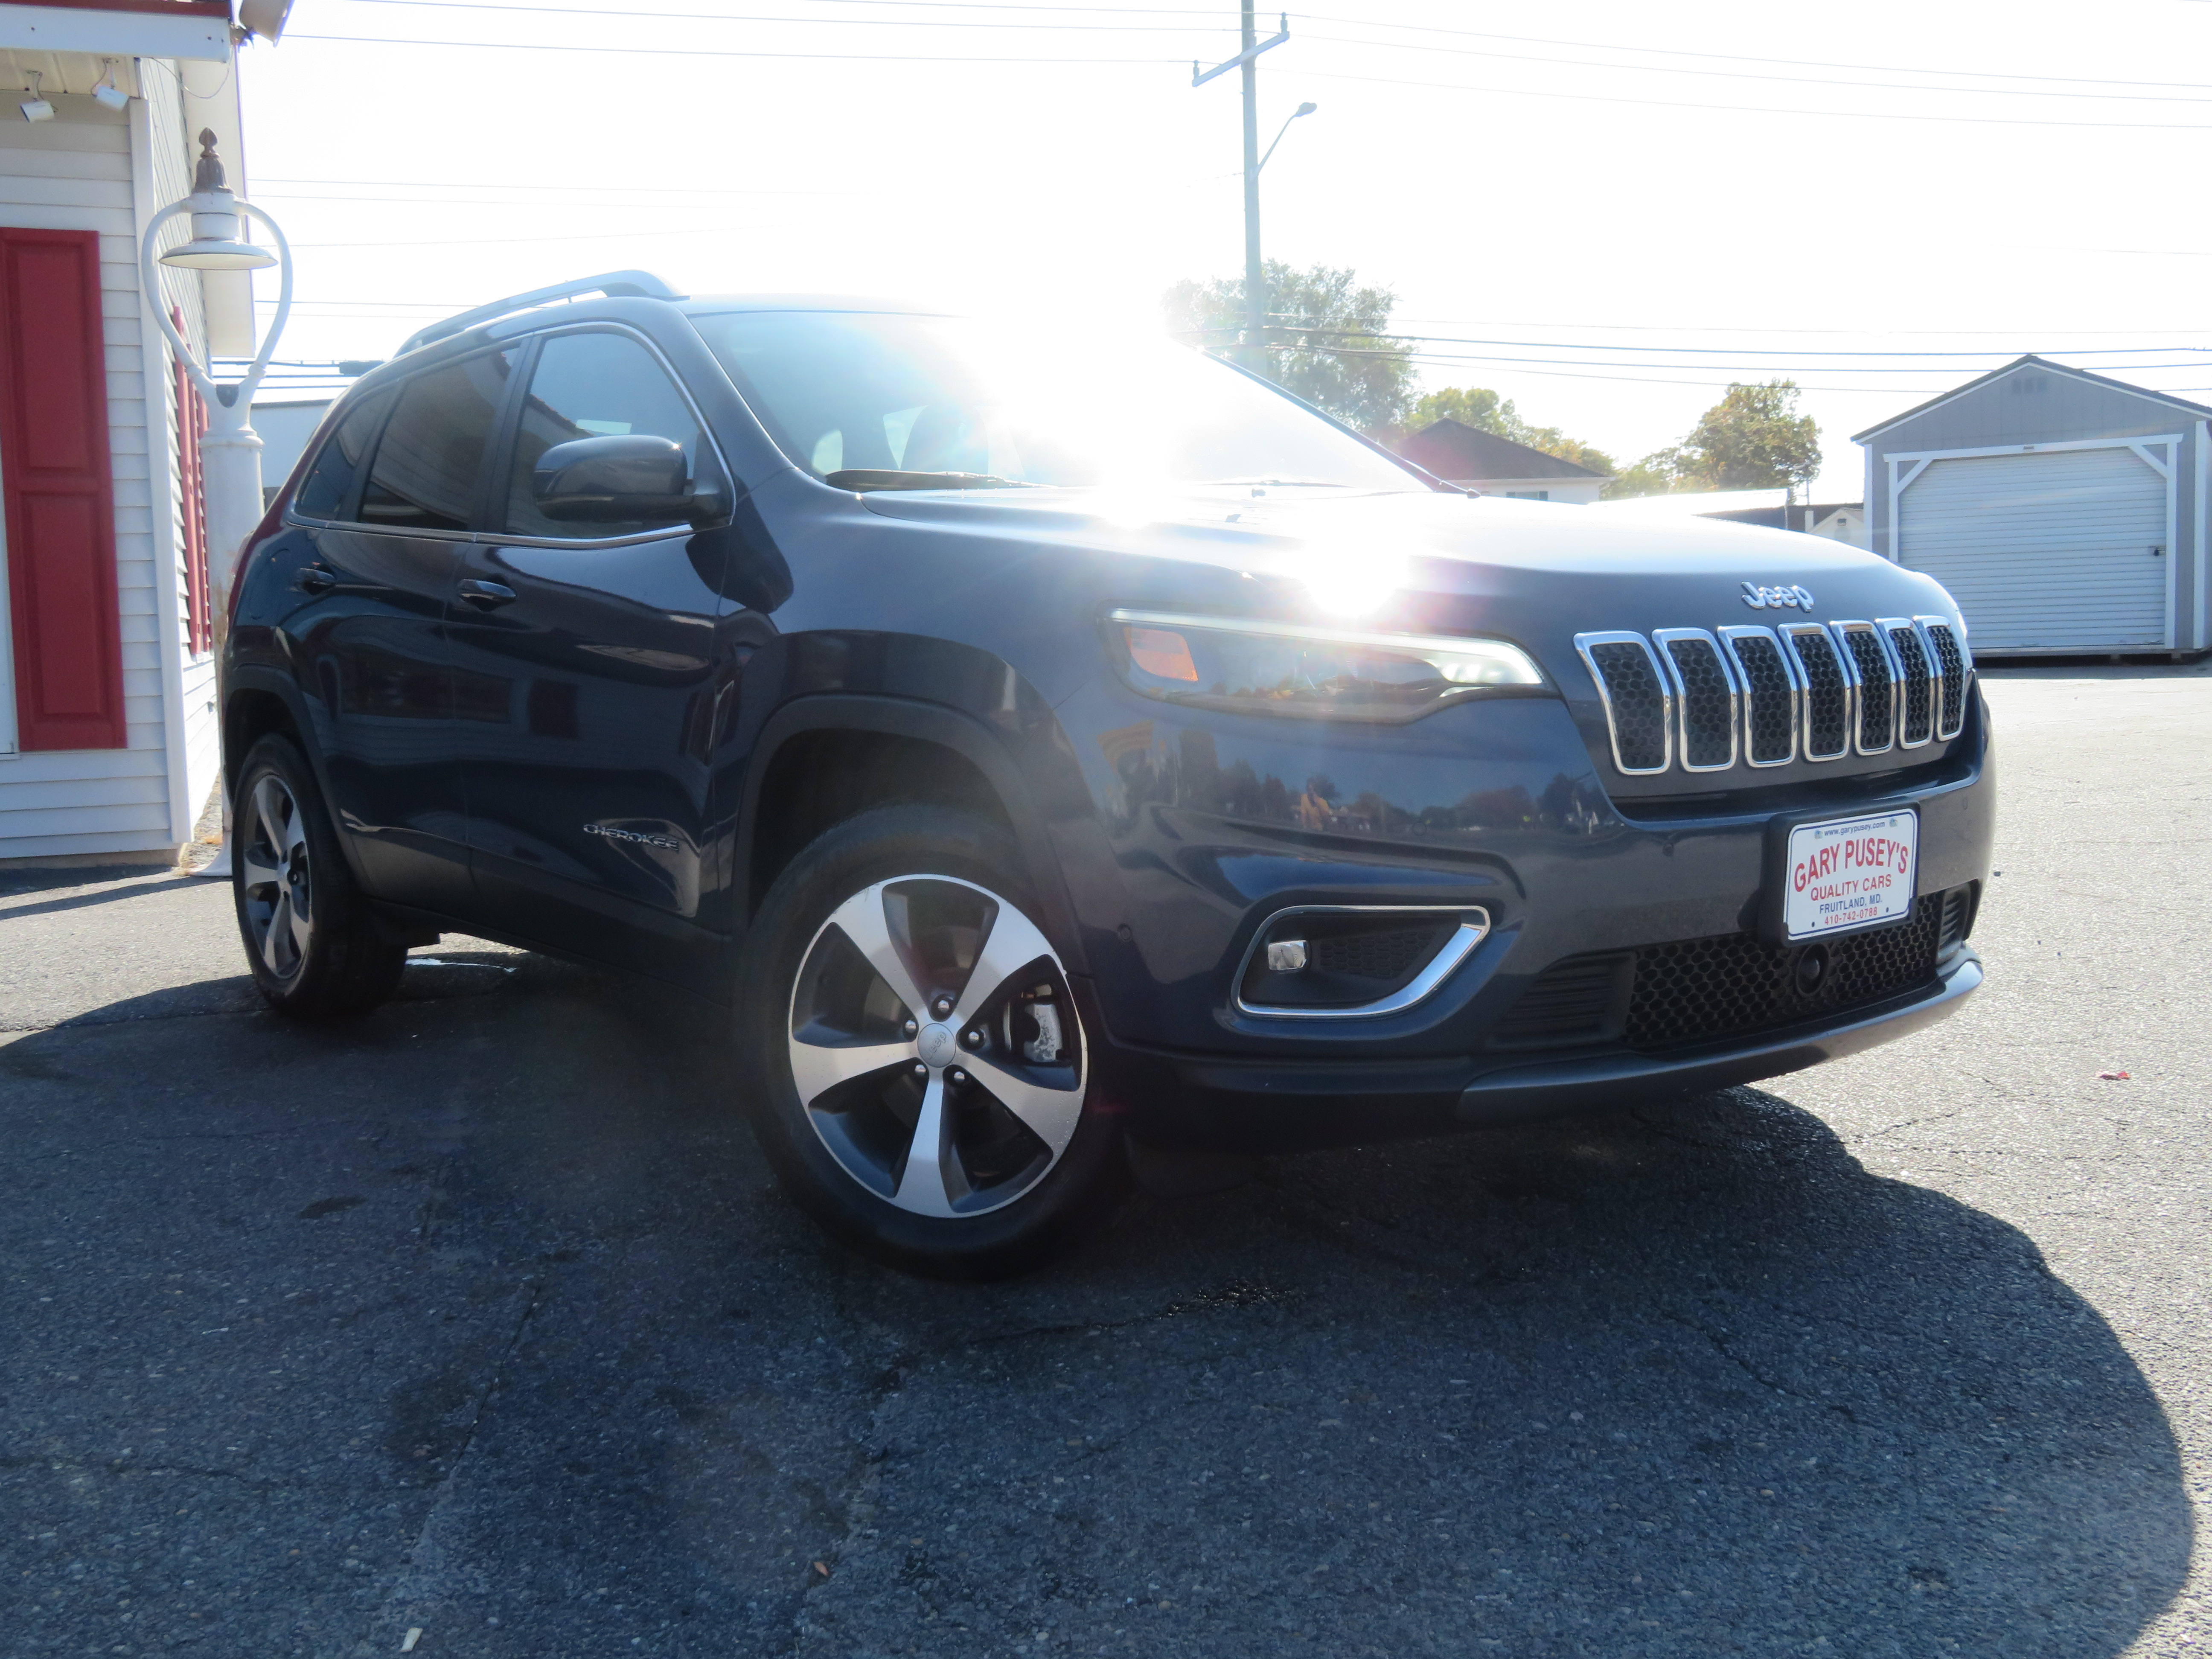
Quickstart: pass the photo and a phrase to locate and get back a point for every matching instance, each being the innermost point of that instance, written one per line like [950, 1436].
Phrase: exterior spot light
[216, 244]
[107, 93]
[35, 107]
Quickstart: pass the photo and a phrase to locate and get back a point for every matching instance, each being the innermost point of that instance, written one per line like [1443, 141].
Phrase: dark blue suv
[1058, 759]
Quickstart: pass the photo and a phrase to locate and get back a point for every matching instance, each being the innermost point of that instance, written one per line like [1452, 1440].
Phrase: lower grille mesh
[1701, 990]
[1388, 954]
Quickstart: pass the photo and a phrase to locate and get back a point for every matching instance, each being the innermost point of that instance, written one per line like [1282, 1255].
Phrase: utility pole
[1255, 355]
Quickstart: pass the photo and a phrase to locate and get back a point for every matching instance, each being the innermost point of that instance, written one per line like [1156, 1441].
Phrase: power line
[597, 50]
[1734, 57]
[1372, 80]
[2202, 90]
[1761, 109]
[809, 22]
[2204, 94]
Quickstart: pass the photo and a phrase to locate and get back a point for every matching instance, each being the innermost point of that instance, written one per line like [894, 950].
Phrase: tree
[1485, 411]
[1752, 439]
[1327, 340]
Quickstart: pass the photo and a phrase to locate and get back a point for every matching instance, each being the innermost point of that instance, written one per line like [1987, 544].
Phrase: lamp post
[230, 450]
[1303, 109]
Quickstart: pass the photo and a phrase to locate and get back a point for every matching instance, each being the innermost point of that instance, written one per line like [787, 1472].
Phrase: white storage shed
[2065, 511]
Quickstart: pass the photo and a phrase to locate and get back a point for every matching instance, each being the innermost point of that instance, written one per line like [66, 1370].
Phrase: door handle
[486, 596]
[316, 579]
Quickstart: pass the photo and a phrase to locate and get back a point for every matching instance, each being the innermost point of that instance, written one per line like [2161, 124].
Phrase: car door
[587, 776]
[373, 650]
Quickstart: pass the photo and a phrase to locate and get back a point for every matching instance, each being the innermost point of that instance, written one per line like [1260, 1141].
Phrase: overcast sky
[1637, 204]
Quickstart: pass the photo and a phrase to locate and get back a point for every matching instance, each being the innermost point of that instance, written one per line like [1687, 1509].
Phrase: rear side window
[430, 461]
[593, 385]
[327, 490]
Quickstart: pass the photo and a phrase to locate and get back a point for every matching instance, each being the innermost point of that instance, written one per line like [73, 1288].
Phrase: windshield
[877, 400]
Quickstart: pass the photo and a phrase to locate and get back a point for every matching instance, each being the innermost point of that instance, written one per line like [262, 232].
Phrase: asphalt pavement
[480, 1318]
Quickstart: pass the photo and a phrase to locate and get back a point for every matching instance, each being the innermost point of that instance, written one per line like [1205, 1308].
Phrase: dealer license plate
[1850, 873]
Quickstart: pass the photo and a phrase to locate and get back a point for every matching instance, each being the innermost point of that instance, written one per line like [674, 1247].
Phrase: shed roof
[2029, 360]
[1450, 449]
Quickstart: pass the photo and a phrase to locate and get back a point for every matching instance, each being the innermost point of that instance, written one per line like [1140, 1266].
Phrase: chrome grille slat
[1830, 684]
[1875, 731]
[1639, 708]
[1947, 653]
[1916, 713]
[1771, 695]
[1706, 701]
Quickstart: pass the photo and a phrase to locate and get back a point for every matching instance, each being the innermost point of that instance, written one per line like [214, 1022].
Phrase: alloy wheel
[275, 876]
[935, 1047]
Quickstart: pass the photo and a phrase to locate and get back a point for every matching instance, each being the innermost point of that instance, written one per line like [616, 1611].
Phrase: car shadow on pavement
[482, 1316]
[1687, 1379]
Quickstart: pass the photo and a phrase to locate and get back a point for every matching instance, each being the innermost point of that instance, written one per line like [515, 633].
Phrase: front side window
[882, 400]
[593, 386]
[430, 462]
[327, 490]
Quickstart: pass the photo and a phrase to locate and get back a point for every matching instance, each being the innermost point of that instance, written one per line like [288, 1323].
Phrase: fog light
[1286, 956]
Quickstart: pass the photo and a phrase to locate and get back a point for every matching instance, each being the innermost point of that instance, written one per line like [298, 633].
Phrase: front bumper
[1255, 1105]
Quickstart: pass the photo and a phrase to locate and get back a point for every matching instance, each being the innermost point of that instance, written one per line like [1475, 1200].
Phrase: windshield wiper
[872, 479]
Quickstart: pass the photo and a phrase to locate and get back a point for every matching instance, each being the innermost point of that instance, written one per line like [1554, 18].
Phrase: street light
[230, 450]
[1303, 109]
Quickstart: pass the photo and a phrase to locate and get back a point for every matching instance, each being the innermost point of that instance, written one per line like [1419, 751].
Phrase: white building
[107, 730]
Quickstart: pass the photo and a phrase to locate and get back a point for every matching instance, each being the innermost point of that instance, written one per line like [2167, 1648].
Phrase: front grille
[1705, 694]
[1702, 990]
[1877, 732]
[1917, 724]
[1763, 696]
[1639, 709]
[1389, 954]
[1770, 695]
[1827, 685]
[1951, 663]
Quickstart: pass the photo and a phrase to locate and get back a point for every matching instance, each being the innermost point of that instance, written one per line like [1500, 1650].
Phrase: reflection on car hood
[1221, 524]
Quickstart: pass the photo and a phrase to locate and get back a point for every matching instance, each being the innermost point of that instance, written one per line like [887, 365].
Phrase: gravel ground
[481, 1317]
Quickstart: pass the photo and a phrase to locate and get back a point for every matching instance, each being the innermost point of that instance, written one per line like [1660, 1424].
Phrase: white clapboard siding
[2049, 551]
[76, 173]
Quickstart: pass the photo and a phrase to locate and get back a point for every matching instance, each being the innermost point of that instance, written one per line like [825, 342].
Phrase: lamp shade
[219, 253]
[216, 244]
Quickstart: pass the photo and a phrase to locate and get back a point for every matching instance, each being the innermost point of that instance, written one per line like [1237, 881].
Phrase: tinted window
[327, 490]
[588, 385]
[431, 459]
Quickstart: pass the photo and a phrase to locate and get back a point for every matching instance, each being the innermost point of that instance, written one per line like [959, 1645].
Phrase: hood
[1383, 549]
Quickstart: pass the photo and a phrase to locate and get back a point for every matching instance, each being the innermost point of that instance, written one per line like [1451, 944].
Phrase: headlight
[1312, 673]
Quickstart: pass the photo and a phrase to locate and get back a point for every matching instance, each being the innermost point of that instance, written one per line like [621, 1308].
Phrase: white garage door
[2052, 549]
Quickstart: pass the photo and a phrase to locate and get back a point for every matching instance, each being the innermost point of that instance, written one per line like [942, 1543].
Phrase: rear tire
[315, 949]
[923, 1081]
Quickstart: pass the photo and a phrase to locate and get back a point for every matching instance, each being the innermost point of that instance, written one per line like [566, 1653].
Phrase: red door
[59, 494]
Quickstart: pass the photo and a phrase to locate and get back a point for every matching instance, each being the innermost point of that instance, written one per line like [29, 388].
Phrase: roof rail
[637, 284]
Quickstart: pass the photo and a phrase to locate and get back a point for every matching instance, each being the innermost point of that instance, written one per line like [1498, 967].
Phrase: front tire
[310, 941]
[923, 1078]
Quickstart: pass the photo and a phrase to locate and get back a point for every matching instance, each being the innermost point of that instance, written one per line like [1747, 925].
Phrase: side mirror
[621, 480]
